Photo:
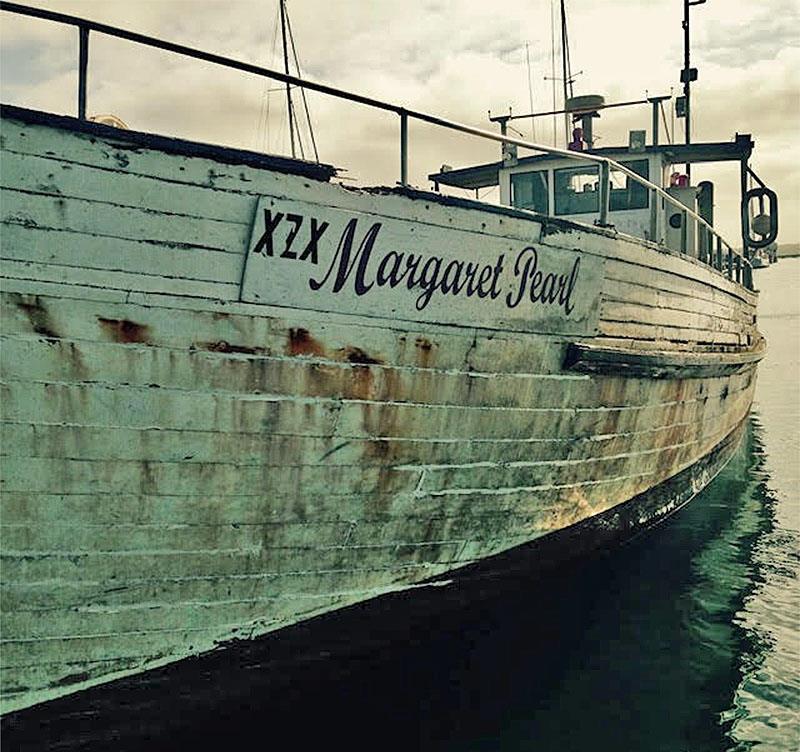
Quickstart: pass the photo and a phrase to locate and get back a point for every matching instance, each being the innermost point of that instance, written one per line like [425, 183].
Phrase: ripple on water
[765, 712]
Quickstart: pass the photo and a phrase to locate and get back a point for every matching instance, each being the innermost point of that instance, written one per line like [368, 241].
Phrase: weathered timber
[590, 358]
[131, 710]
[187, 459]
[220, 154]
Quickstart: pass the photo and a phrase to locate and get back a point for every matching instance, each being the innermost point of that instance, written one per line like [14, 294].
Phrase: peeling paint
[221, 346]
[258, 465]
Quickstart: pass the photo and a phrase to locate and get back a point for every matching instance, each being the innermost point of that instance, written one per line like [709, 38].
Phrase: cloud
[762, 36]
[455, 58]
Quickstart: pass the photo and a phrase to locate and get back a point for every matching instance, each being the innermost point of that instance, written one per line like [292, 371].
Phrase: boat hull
[200, 446]
[136, 709]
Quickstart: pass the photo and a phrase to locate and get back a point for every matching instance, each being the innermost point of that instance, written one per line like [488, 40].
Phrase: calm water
[688, 639]
[685, 640]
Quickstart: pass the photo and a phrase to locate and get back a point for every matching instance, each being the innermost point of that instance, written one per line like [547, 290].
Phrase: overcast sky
[455, 58]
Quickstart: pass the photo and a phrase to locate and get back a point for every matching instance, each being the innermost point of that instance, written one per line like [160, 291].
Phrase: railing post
[738, 268]
[730, 262]
[719, 253]
[605, 193]
[83, 66]
[403, 148]
[653, 215]
[684, 230]
[710, 248]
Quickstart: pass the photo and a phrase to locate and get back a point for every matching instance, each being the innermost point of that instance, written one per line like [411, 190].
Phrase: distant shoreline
[787, 250]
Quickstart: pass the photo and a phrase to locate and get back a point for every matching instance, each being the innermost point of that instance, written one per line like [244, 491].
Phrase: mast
[302, 96]
[688, 74]
[286, 70]
[564, 68]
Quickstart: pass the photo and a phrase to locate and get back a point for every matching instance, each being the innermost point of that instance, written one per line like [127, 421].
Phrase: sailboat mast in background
[291, 67]
[289, 107]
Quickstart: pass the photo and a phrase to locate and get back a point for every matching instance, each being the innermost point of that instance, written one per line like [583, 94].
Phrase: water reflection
[676, 642]
[647, 648]
[653, 647]
[766, 706]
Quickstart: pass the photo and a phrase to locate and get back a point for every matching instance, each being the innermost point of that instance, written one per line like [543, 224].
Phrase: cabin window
[529, 190]
[576, 190]
[627, 193]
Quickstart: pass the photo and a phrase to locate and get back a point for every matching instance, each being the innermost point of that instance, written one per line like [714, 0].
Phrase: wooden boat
[237, 395]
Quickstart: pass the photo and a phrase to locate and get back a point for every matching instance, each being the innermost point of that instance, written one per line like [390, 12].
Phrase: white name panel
[314, 257]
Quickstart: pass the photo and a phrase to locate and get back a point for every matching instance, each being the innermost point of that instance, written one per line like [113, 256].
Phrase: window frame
[591, 169]
[518, 176]
[632, 189]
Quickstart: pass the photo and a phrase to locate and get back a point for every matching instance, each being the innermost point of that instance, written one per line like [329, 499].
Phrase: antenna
[567, 78]
[688, 74]
[530, 89]
[553, 65]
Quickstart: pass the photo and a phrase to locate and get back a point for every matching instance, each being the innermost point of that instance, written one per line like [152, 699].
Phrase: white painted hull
[182, 468]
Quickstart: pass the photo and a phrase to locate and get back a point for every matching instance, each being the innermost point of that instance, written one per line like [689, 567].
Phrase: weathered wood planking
[659, 364]
[244, 183]
[314, 416]
[191, 447]
[111, 278]
[67, 361]
[100, 219]
[180, 467]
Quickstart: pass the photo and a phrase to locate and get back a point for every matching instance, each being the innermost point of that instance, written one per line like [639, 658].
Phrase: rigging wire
[262, 129]
[566, 68]
[296, 120]
[302, 89]
[568, 78]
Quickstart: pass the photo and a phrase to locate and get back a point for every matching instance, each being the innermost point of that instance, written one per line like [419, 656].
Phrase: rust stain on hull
[359, 382]
[300, 342]
[124, 331]
[425, 352]
[358, 356]
[38, 316]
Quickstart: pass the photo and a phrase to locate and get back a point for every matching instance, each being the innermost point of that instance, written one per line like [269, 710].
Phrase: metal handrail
[85, 26]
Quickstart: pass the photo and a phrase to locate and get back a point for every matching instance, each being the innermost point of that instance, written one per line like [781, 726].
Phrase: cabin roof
[485, 175]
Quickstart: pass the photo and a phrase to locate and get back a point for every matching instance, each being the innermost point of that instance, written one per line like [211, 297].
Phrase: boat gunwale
[551, 227]
[171, 144]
